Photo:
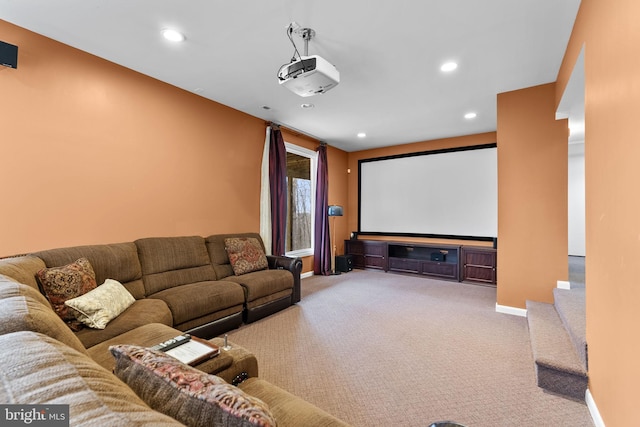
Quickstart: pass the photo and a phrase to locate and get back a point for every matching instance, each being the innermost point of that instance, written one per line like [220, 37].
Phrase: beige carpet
[383, 349]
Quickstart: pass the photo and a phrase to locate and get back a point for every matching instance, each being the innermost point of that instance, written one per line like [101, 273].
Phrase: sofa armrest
[294, 265]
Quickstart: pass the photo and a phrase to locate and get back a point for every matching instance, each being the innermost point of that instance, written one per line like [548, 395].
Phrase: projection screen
[449, 193]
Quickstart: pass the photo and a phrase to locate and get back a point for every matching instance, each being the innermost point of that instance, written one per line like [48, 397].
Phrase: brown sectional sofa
[179, 284]
[186, 282]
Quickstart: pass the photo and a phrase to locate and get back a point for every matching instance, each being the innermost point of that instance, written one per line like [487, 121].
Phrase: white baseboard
[514, 311]
[593, 410]
[563, 284]
[307, 274]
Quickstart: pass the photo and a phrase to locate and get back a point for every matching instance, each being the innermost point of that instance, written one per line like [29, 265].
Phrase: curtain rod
[293, 131]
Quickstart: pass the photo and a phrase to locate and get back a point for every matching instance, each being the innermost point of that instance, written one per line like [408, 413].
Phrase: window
[301, 190]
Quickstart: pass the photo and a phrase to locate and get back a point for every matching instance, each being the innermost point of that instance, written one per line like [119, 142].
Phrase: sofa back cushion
[218, 251]
[173, 261]
[23, 308]
[37, 369]
[117, 261]
[22, 268]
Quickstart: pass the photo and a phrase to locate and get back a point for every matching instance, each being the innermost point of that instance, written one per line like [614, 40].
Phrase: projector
[309, 75]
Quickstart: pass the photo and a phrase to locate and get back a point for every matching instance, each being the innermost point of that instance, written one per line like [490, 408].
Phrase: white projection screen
[443, 193]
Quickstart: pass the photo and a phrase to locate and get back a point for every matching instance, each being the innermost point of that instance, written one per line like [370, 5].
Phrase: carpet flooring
[384, 349]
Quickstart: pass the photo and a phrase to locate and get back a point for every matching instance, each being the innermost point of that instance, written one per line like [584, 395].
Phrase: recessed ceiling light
[362, 135]
[172, 35]
[307, 106]
[448, 66]
[470, 116]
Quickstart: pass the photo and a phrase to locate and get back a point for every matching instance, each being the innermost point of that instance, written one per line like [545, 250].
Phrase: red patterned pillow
[245, 255]
[185, 393]
[60, 284]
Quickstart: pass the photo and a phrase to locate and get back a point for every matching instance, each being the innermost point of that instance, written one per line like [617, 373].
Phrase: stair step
[570, 305]
[558, 368]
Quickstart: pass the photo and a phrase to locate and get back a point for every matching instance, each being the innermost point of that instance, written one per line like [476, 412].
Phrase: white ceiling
[388, 54]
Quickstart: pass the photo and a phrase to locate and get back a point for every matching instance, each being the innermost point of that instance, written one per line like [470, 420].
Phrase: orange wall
[610, 34]
[532, 196]
[96, 153]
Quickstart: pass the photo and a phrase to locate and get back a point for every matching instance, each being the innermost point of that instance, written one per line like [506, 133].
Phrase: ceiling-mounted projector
[309, 75]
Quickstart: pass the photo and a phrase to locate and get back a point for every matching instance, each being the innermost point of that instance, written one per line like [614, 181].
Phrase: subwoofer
[344, 263]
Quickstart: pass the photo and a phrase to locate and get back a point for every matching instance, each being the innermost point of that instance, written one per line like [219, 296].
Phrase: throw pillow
[98, 307]
[185, 393]
[69, 281]
[245, 255]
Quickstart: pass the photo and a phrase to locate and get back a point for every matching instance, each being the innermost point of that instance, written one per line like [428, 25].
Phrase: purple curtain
[322, 246]
[278, 184]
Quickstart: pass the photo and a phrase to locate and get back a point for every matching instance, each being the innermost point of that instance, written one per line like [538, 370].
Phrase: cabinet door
[404, 265]
[479, 265]
[375, 255]
[440, 269]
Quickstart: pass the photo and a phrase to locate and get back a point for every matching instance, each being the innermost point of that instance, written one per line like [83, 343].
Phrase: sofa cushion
[218, 252]
[68, 281]
[10, 287]
[185, 393]
[37, 369]
[22, 308]
[287, 408]
[195, 300]
[118, 261]
[261, 284]
[172, 261]
[146, 336]
[22, 268]
[140, 313]
[98, 307]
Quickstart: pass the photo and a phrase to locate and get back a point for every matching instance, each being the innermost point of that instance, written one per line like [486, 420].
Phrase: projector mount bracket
[306, 34]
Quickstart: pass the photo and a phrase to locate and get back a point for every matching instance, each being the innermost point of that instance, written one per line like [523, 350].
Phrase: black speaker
[344, 263]
[8, 55]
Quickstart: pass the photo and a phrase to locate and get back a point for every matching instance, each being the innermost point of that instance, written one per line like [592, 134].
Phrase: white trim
[514, 311]
[563, 284]
[307, 274]
[593, 410]
[313, 172]
[300, 253]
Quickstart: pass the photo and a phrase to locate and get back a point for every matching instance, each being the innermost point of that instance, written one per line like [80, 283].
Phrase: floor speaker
[344, 263]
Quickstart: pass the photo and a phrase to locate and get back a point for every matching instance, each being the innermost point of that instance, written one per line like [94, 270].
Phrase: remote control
[172, 343]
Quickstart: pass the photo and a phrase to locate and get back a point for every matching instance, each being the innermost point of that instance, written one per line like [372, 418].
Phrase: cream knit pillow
[98, 307]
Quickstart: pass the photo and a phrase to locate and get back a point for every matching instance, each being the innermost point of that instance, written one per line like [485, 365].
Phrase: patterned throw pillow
[98, 307]
[69, 281]
[184, 393]
[245, 255]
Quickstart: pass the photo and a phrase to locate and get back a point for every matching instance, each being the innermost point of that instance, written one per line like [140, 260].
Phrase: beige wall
[610, 35]
[96, 153]
[532, 196]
